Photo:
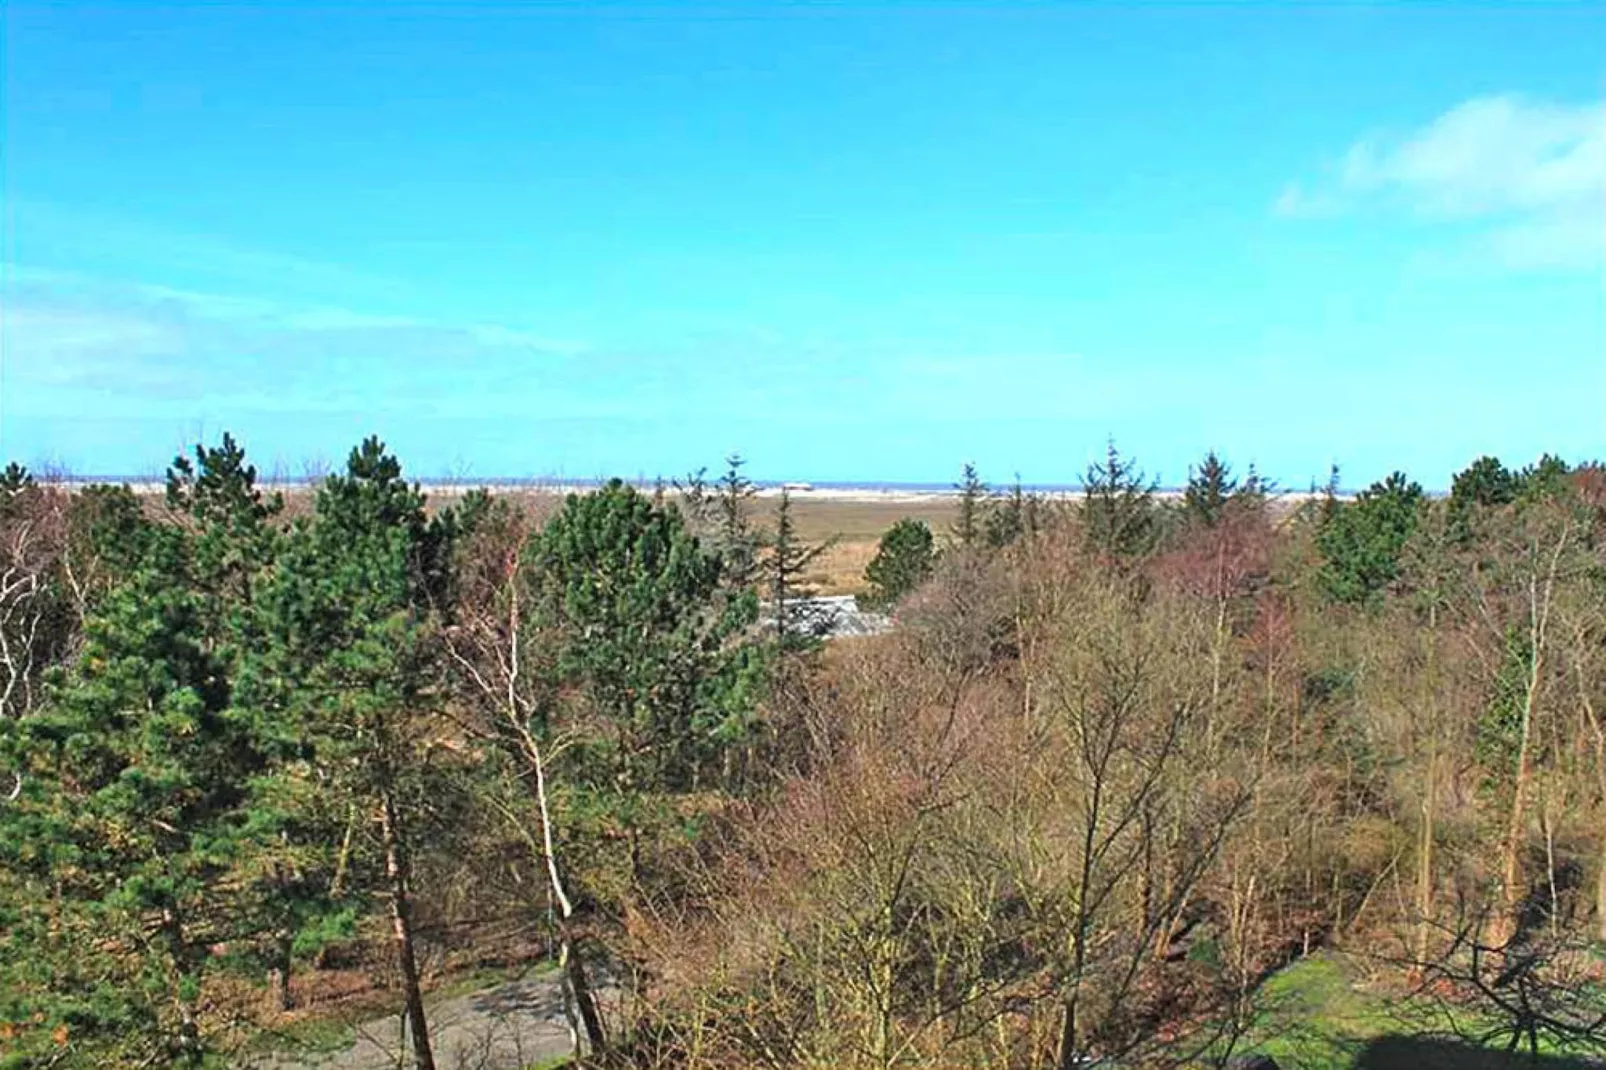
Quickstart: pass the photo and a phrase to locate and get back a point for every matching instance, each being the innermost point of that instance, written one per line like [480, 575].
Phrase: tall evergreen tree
[236, 539]
[1255, 487]
[797, 624]
[1118, 512]
[645, 630]
[347, 652]
[968, 519]
[1209, 488]
[1327, 497]
[699, 502]
[738, 542]
[135, 818]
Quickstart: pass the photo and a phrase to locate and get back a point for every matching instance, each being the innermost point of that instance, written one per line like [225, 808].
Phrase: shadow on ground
[1426, 1053]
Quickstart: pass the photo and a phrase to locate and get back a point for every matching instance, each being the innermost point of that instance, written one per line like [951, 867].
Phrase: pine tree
[1545, 479]
[967, 526]
[135, 817]
[347, 653]
[903, 559]
[1118, 512]
[1012, 517]
[234, 534]
[1485, 483]
[236, 540]
[1325, 499]
[1255, 488]
[1362, 542]
[644, 627]
[14, 479]
[738, 542]
[797, 625]
[698, 503]
[1209, 489]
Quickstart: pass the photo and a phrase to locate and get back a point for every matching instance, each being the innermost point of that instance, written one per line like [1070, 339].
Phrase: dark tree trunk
[279, 974]
[585, 1000]
[189, 1031]
[401, 921]
[1070, 1057]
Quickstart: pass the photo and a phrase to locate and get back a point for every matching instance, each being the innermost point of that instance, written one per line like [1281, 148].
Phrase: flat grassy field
[857, 526]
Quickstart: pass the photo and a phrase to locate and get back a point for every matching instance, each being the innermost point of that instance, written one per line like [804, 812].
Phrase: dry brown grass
[856, 526]
[857, 520]
[840, 569]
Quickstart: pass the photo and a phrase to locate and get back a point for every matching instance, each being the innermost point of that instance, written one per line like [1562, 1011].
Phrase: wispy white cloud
[66, 335]
[87, 360]
[1529, 175]
[77, 346]
[135, 304]
[150, 251]
[51, 337]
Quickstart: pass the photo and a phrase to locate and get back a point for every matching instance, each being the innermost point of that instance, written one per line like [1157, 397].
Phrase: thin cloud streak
[1530, 174]
[160, 346]
[85, 236]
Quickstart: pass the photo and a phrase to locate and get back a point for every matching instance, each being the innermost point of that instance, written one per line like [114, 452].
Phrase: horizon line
[452, 485]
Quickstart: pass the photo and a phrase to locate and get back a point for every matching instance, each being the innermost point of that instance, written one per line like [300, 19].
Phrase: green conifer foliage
[133, 822]
[1119, 519]
[645, 629]
[347, 658]
[903, 559]
[1210, 487]
[1361, 542]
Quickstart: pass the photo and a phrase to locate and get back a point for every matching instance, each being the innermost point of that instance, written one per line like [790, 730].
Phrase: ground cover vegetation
[1136, 780]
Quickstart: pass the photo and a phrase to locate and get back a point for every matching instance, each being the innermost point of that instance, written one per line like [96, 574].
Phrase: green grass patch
[477, 980]
[1320, 1014]
[311, 1036]
[557, 1062]
[1313, 1015]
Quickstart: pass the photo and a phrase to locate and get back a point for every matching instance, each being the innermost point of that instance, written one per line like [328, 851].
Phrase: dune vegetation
[1134, 780]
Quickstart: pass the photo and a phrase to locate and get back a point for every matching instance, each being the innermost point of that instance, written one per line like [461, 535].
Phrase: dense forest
[1123, 758]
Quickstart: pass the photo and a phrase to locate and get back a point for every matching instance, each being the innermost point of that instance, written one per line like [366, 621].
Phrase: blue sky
[853, 241]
